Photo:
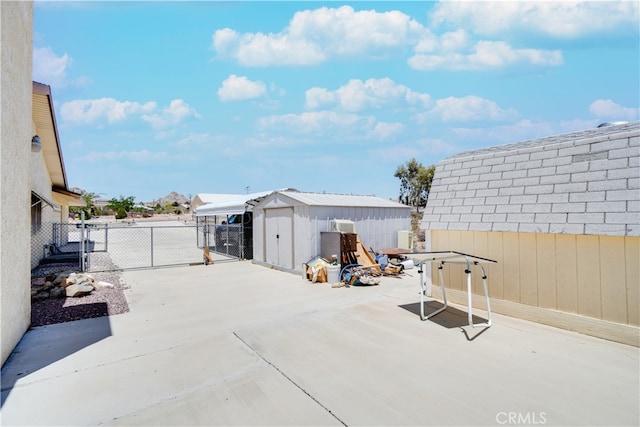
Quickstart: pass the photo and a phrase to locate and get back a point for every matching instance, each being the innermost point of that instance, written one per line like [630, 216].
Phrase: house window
[36, 214]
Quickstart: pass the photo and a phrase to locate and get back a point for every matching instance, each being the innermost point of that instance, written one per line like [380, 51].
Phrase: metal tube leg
[444, 289]
[444, 297]
[469, 301]
[422, 293]
[486, 297]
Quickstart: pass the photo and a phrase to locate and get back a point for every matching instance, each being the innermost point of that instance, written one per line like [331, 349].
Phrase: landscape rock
[103, 284]
[37, 281]
[79, 289]
[41, 295]
[57, 292]
[62, 285]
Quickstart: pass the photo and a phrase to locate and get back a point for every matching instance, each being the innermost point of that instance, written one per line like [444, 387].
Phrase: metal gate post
[241, 240]
[87, 249]
[151, 246]
[82, 266]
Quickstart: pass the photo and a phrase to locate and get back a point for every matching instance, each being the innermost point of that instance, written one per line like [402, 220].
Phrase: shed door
[279, 236]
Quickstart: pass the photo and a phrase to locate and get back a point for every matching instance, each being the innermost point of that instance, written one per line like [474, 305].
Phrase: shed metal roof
[350, 200]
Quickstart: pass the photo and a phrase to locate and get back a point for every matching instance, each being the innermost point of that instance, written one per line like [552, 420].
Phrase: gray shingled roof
[584, 182]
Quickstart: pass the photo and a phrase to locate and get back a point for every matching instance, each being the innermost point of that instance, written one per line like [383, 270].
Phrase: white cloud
[195, 140]
[92, 110]
[358, 95]
[176, 112]
[607, 109]
[315, 123]
[318, 97]
[323, 34]
[238, 88]
[563, 19]
[522, 130]
[142, 156]
[485, 55]
[315, 36]
[383, 131]
[468, 108]
[49, 68]
[437, 147]
[87, 111]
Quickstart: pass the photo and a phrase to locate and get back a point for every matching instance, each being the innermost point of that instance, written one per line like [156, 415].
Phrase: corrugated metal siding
[377, 226]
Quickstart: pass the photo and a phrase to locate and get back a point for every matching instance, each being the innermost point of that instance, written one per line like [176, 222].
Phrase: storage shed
[561, 215]
[233, 212]
[287, 224]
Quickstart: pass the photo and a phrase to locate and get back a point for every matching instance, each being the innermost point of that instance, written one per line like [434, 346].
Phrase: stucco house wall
[561, 215]
[16, 29]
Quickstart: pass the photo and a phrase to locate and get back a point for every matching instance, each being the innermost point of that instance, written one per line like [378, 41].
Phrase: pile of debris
[62, 285]
[355, 265]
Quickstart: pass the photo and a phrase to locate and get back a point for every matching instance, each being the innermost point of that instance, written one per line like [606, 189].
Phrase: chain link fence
[132, 244]
[234, 240]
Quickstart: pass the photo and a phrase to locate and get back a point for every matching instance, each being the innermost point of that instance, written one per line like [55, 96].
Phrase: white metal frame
[453, 257]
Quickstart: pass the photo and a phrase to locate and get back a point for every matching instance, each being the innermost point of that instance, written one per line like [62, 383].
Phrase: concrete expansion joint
[290, 380]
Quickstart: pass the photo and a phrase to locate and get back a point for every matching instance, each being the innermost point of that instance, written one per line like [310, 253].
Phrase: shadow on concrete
[54, 311]
[450, 318]
[44, 345]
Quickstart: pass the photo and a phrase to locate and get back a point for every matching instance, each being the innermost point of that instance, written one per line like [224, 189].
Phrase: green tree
[121, 205]
[89, 207]
[415, 183]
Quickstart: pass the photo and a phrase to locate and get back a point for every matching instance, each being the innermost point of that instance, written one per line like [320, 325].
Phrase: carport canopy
[234, 204]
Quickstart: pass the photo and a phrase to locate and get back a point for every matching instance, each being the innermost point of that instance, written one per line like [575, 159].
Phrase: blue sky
[224, 97]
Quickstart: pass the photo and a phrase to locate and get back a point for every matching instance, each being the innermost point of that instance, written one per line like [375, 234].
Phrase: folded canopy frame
[453, 257]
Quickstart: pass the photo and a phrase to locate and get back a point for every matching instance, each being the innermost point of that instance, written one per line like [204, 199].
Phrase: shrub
[121, 213]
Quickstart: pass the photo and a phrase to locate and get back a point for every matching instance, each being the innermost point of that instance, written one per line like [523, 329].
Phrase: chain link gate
[232, 240]
[95, 246]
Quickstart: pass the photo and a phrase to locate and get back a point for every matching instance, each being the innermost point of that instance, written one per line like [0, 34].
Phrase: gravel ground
[101, 302]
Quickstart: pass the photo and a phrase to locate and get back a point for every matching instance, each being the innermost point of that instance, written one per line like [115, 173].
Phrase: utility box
[405, 239]
[343, 226]
[330, 244]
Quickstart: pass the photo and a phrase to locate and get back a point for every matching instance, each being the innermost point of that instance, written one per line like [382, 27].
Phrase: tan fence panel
[613, 279]
[566, 267]
[593, 276]
[546, 256]
[588, 252]
[632, 262]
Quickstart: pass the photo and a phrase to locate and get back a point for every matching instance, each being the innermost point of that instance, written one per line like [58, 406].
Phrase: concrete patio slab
[240, 344]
